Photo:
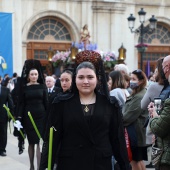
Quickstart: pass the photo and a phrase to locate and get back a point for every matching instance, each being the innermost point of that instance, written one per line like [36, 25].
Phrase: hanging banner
[6, 60]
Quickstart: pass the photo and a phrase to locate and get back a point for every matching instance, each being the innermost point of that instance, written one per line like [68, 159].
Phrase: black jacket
[5, 98]
[53, 94]
[78, 145]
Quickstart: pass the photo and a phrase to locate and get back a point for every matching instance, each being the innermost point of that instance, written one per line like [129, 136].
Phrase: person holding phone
[155, 89]
[160, 123]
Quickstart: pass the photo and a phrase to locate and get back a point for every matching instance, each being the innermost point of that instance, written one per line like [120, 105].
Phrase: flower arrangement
[60, 58]
[141, 47]
[109, 59]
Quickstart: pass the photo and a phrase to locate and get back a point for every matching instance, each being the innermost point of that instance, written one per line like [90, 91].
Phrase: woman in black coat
[88, 125]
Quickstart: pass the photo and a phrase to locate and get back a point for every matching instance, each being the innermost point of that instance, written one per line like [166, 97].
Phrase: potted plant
[109, 60]
[141, 47]
[59, 60]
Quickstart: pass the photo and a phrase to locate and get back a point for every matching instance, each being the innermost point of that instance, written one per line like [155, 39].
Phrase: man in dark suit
[52, 90]
[5, 98]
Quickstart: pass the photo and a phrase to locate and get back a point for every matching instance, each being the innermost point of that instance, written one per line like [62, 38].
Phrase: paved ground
[14, 161]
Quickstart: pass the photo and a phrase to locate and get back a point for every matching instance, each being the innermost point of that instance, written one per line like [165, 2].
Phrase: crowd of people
[90, 111]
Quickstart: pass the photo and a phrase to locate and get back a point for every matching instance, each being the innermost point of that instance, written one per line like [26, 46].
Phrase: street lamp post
[141, 30]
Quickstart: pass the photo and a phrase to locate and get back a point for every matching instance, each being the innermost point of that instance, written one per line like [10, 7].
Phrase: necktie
[49, 91]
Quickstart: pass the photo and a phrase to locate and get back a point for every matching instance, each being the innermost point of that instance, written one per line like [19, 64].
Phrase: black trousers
[3, 136]
[164, 167]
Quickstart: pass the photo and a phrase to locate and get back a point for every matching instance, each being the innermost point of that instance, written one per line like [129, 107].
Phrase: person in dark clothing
[3, 80]
[52, 90]
[14, 78]
[5, 98]
[66, 80]
[89, 127]
[33, 98]
[15, 97]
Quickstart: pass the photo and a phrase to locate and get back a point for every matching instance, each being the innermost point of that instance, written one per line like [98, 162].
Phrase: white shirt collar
[51, 88]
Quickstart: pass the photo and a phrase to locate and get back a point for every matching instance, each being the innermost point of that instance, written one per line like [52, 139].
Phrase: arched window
[158, 45]
[48, 33]
[47, 29]
[161, 36]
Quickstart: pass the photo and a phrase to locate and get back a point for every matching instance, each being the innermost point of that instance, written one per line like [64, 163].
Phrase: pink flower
[60, 57]
[141, 45]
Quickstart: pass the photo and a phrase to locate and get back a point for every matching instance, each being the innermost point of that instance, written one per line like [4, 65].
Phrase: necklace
[86, 109]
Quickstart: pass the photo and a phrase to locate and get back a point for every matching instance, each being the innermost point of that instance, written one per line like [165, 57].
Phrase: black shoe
[21, 149]
[2, 153]
[149, 165]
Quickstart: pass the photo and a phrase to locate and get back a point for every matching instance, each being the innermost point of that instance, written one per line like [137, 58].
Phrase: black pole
[141, 41]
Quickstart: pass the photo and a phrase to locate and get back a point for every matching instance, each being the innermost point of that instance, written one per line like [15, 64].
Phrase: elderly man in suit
[5, 98]
[52, 90]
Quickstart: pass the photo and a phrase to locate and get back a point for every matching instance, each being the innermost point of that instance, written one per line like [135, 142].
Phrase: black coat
[5, 98]
[53, 94]
[83, 146]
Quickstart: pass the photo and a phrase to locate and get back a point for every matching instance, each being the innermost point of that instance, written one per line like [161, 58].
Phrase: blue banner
[6, 59]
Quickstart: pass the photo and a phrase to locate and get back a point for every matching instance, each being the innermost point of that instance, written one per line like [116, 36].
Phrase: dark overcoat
[5, 98]
[80, 146]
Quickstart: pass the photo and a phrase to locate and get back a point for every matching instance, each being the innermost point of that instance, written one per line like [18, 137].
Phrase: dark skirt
[139, 154]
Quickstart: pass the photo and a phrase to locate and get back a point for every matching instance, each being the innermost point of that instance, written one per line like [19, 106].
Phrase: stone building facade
[40, 24]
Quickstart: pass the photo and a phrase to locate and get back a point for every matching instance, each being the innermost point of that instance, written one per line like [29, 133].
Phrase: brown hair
[118, 80]
[126, 77]
[141, 76]
[159, 77]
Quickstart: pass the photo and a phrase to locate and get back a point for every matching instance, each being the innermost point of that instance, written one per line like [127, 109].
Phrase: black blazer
[83, 146]
[53, 94]
[5, 98]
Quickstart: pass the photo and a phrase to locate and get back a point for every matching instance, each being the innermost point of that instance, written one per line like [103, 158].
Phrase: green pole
[34, 125]
[11, 116]
[50, 148]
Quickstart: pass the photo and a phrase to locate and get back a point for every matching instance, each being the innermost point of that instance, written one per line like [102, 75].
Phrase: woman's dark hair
[141, 76]
[160, 78]
[69, 72]
[85, 64]
[14, 75]
[6, 81]
[28, 65]
[118, 80]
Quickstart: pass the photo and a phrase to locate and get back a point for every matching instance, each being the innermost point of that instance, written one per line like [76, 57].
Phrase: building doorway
[45, 33]
[158, 46]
